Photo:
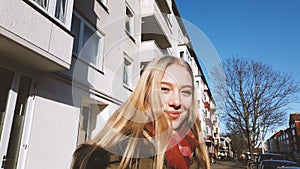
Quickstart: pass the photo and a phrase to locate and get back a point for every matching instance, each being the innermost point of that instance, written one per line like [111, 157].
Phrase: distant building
[225, 148]
[295, 135]
[287, 141]
[273, 143]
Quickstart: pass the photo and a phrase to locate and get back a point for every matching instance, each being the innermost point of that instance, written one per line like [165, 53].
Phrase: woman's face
[177, 93]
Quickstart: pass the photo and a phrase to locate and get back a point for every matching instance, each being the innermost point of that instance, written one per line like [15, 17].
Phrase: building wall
[28, 27]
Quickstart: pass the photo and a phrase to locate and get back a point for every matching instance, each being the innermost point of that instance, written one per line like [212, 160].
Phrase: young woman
[157, 127]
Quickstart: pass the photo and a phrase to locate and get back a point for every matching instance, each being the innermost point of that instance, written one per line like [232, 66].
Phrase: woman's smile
[174, 114]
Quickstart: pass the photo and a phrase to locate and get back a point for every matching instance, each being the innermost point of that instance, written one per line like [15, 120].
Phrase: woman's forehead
[178, 74]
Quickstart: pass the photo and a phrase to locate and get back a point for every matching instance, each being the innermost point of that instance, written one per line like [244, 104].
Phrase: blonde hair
[123, 132]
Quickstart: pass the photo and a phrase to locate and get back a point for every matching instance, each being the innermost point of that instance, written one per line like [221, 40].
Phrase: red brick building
[287, 141]
[294, 124]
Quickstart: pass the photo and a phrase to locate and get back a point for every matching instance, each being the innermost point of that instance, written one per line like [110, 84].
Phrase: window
[168, 20]
[180, 37]
[205, 113]
[88, 42]
[181, 54]
[293, 132]
[127, 71]
[60, 10]
[197, 84]
[56, 8]
[42, 3]
[91, 119]
[129, 23]
[143, 67]
[188, 58]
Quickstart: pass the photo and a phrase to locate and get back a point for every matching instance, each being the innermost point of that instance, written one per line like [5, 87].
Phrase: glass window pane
[60, 10]
[90, 48]
[125, 75]
[42, 3]
[127, 72]
[129, 21]
[87, 34]
[75, 29]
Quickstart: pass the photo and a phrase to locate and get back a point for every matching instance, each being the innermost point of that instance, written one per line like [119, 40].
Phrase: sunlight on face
[177, 93]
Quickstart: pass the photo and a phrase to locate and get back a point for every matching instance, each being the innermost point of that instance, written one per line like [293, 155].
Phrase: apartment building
[209, 118]
[66, 66]
[225, 148]
[294, 124]
[287, 141]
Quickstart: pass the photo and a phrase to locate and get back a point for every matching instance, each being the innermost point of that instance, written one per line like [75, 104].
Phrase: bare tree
[254, 97]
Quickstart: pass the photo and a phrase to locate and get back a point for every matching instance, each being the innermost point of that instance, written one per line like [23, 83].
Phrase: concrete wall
[27, 23]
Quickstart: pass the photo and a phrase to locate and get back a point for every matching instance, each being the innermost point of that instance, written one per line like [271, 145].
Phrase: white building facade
[66, 66]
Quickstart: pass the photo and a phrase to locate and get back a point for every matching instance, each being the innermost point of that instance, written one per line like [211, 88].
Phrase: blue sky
[263, 30]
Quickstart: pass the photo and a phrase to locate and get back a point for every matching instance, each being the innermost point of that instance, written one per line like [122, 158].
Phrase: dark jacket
[102, 159]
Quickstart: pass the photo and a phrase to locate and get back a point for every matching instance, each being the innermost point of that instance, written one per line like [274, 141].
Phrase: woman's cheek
[187, 103]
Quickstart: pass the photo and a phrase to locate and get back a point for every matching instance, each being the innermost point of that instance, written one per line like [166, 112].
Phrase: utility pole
[259, 119]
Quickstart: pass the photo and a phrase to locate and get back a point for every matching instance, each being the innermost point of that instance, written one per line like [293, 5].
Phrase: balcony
[17, 50]
[206, 105]
[31, 38]
[154, 25]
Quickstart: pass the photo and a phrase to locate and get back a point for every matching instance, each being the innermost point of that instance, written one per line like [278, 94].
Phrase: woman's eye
[165, 89]
[186, 92]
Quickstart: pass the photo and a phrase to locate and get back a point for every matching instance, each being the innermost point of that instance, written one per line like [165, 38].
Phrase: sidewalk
[228, 165]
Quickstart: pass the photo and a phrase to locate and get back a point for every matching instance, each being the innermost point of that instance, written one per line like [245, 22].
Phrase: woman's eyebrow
[164, 82]
[183, 86]
[187, 86]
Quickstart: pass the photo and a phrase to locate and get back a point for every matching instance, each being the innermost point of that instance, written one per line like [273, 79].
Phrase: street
[228, 165]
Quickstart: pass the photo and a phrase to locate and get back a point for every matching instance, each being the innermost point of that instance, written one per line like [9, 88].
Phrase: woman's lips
[174, 114]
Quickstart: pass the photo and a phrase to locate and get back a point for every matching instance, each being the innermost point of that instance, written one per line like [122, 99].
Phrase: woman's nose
[175, 100]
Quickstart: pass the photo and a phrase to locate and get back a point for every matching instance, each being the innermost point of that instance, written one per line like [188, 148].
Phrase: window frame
[127, 71]
[51, 8]
[129, 18]
[83, 24]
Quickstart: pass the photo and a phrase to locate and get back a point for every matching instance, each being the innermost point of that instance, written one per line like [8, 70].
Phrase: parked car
[270, 156]
[267, 156]
[273, 164]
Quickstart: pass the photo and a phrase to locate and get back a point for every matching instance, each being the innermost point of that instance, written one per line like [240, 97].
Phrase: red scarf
[180, 151]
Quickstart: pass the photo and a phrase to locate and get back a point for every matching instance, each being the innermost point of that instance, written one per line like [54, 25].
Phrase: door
[14, 98]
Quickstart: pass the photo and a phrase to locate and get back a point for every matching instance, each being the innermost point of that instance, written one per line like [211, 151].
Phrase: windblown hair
[124, 132]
